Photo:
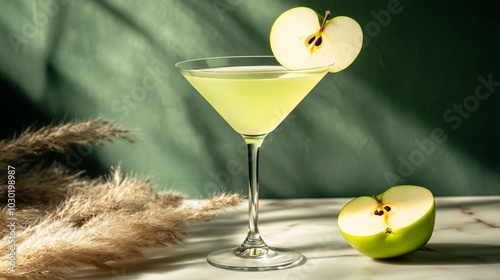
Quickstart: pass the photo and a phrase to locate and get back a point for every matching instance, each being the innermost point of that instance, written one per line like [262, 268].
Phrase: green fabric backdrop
[419, 105]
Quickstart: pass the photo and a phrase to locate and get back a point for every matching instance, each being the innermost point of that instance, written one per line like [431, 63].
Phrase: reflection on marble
[465, 245]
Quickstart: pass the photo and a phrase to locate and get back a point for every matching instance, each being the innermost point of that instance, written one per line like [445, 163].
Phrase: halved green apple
[301, 38]
[395, 223]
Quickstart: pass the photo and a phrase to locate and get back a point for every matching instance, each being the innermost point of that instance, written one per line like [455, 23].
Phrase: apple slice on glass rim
[301, 38]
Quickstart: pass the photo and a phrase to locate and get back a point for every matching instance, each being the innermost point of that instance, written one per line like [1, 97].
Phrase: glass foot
[255, 259]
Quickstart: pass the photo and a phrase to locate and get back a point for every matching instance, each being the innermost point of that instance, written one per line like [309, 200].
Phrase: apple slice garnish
[394, 223]
[300, 38]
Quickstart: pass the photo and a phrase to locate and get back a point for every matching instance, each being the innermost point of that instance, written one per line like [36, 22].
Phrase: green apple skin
[400, 242]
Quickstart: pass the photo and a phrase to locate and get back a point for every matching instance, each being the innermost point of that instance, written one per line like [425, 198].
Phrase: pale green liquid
[253, 99]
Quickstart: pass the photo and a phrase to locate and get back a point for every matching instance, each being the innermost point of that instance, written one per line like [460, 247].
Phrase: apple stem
[327, 15]
[376, 198]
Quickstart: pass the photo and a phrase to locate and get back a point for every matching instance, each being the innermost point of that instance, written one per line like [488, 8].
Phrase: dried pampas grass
[58, 138]
[65, 220]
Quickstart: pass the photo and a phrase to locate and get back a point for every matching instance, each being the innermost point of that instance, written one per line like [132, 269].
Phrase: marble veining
[465, 245]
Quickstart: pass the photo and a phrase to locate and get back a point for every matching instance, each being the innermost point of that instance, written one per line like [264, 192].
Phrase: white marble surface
[465, 245]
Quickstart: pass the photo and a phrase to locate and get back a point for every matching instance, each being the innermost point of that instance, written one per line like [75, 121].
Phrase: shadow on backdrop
[418, 106]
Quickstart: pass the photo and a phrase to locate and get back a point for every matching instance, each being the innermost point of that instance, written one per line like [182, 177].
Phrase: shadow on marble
[466, 201]
[152, 264]
[450, 254]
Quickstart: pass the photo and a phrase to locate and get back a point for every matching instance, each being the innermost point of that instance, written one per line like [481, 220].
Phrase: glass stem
[253, 246]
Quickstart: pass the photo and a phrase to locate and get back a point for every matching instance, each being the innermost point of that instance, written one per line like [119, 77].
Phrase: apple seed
[318, 42]
[387, 208]
[311, 40]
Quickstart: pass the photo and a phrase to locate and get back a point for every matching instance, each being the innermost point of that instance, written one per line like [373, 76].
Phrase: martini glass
[253, 94]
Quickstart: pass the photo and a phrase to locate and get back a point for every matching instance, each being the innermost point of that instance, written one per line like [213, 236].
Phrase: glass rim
[178, 65]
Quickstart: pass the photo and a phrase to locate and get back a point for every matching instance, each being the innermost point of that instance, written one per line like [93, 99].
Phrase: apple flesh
[395, 223]
[300, 38]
